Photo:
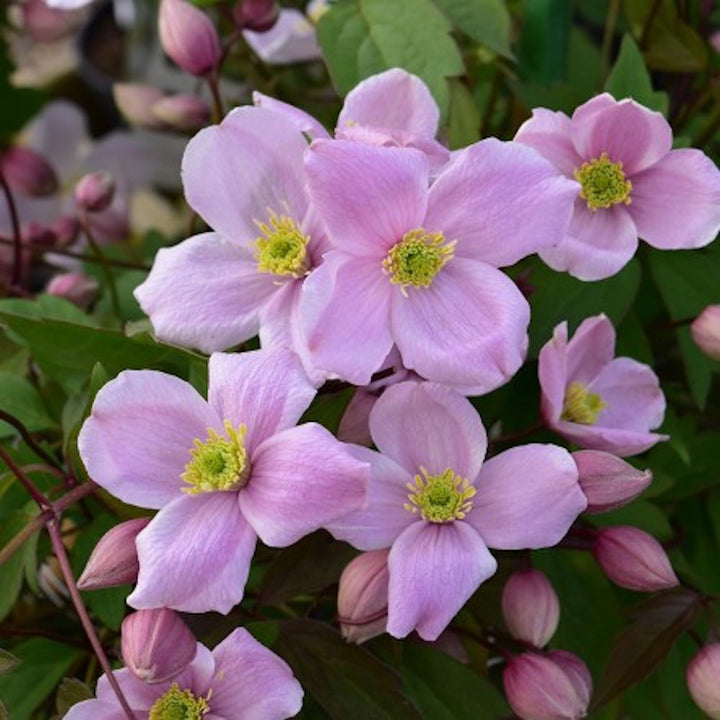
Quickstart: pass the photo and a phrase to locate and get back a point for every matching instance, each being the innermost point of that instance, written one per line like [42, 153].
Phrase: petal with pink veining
[549, 133]
[617, 441]
[552, 373]
[303, 121]
[590, 349]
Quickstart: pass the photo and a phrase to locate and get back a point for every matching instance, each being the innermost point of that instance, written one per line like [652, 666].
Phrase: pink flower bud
[27, 172]
[114, 560]
[188, 37]
[156, 645]
[703, 680]
[530, 607]
[633, 559]
[256, 15]
[363, 597]
[538, 687]
[183, 113]
[66, 229]
[40, 235]
[135, 102]
[79, 289]
[705, 331]
[607, 481]
[576, 671]
[354, 425]
[95, 191]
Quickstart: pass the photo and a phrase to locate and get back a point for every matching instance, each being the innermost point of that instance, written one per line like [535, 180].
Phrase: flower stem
[17, 237]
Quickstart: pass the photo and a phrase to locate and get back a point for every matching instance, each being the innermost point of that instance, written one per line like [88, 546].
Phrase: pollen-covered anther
[218, 463]
[440, 498]
[417, 259]
[282, 247]
[580, 405]
[177, 704]
[603, 183]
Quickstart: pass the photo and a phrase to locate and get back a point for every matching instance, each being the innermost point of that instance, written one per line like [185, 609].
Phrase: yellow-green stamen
[177, 704]
[282, 248]
[581, 406]
[218, 463]
[440, 498]
[603, 183]
[417, 259]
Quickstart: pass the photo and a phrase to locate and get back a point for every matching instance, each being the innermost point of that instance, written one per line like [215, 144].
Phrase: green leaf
[630, 78]
[71, 692]
[362, 37]
[542, 52]
[12, 571]
[21, 399]
[7, 661]
[464, 120]
[485, 21]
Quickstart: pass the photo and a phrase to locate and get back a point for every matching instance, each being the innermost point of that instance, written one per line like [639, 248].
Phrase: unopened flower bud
[633, 559]
[363, 597]
[182, 113]
[539, 688]
[354, 425]
[607, 481]
[703, 680]
[156, 644]
[705, 331]
[95, 191]
[256, 15]
[135, 101]
[79, 289]
[530, 607]
[576, 671]
[114, 559]
[188, 36]
[66, 229]
[28, 172]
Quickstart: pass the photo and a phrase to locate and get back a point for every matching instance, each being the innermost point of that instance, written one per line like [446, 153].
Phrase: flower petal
[138, 437]
[252, 682]
[434, 569]
[469, 328]
[620, 442]
[303, 121]
[527, 497]
[291, 39]
[552, 373]
[194, 555]
[205, 293]
[676, 202]
[590, 349]
[301, 480]
[501, 201]
[549, 133]
[267, 390]
[94, 709]
[431, 426]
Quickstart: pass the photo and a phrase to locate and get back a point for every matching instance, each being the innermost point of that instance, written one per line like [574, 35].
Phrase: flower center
[580, 405]
[218, 463]
[440, 498]
[282, 248]
[177, 704]
[417, 259]
[603, 183]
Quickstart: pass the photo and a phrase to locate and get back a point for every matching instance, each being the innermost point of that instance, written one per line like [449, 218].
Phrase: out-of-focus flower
[632, 184]
[290, 39]
[703, 680]
[43, 22]
[530, 607]
[135, 102]
[256, 15]
[595, 399]
[95, 191]
[633, 559]
[182, 113]
[28, 172]
[68, 4]
[705, 331]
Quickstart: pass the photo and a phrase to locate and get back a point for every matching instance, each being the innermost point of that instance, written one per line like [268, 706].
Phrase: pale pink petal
[303, 121]
[252, 683]
[302, 479]
[501, 202]
[266, 390]
[140, 695]
[620, 442]
[469, 328]
[590, 349]
[345, 305]
[552, 373]
[434, 569]
[431, 426]
[233, 173]
[368, 196]
[598, 244]
[395, 100]
[195, 555]
[628, 132]
[291, 39]
[676, 202]
[549, 133]
[138, 437]
[205, 293]
[593, 106]
[527, 497]
[94, 709]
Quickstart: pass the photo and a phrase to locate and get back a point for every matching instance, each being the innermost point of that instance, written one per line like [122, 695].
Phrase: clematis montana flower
[632, 184]
[433, 501]
[240, 679]
[418, 268]
[595, 399]
[222, 472]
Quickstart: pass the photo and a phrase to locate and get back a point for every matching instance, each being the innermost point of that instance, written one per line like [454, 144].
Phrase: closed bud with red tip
[189, 37]
[703, 680]
[95, 191]
[28, 172]
[705, 331]
[530, 607]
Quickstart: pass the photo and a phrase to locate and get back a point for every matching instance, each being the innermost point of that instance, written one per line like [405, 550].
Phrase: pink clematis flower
[595, 399]
[222, 472]
[433, 501]
[417, 268]
[633, 184]
[240, 679]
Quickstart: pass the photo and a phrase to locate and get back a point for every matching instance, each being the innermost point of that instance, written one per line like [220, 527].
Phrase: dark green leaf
[485, 21]
[464, 120]
[21, 399]
[12, 571]
[7, 661]
[71, 692]
[542, 52]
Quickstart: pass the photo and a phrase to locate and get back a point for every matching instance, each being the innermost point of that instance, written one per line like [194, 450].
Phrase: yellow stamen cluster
[177, 704]
[603, 183]
[217, 463]
[282, 248]
[581, 406]
[440, 498]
